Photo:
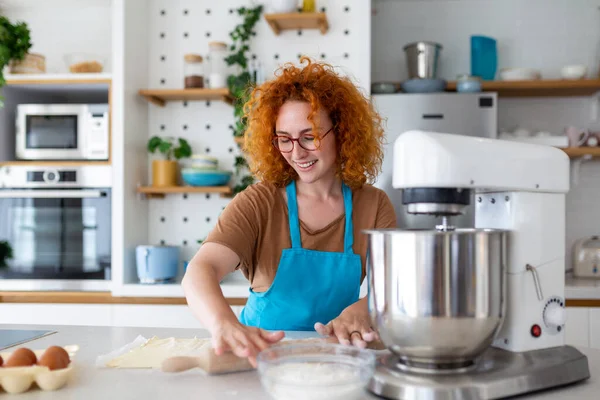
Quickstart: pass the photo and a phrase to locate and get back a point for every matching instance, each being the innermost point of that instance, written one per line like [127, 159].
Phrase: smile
[306, 164]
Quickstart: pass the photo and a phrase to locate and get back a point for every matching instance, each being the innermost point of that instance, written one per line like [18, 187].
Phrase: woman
[313, 141]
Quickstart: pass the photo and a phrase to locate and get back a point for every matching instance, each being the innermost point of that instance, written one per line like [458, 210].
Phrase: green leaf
[184, 149]
[153, 143]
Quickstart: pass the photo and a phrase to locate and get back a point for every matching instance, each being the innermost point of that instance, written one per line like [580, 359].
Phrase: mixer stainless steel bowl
[437, 298]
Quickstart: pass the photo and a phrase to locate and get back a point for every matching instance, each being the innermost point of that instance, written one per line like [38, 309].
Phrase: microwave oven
[62, 132]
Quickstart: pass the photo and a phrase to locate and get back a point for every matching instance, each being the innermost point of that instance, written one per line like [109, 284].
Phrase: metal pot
[422, 59]
[437, 297]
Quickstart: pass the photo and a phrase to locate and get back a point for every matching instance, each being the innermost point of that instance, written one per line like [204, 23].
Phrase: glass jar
[193, 71]
[218, 67]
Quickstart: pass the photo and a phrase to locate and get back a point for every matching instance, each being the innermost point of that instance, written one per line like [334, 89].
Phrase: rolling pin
[228, 362]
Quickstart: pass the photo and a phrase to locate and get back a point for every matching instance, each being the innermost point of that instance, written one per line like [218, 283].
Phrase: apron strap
[294, 221]
[349, 229]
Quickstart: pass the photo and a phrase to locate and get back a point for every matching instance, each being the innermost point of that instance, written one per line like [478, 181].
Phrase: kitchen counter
[93, 383]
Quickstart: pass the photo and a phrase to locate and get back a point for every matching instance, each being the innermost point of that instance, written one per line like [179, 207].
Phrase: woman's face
[292, 123]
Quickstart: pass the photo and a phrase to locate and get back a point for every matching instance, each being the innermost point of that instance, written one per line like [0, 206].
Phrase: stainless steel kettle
[586, 257]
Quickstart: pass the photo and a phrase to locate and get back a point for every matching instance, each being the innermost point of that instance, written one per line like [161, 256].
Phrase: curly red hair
[357, 126]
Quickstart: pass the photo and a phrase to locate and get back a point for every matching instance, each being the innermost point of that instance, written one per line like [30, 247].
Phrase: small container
[193, 71]
[468, 84]
[308, 5]
[218, 66]
[315, 371]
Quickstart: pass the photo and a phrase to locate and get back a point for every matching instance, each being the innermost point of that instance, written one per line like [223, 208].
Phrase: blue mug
[157, 264]
[484, 57]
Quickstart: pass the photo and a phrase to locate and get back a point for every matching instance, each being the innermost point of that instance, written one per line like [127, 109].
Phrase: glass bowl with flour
[315, 371]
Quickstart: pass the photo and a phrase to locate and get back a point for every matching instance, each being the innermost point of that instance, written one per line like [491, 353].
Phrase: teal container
[484, 57]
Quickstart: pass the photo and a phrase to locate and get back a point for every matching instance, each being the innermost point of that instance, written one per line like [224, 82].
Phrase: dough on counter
[152, 353]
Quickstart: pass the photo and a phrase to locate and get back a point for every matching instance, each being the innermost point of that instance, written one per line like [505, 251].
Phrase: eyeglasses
[285, 144]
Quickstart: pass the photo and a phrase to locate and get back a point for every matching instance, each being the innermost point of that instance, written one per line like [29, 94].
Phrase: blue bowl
[424, 85]
[197, 177]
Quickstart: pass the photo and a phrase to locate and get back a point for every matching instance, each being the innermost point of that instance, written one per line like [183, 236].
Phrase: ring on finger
[357, 332]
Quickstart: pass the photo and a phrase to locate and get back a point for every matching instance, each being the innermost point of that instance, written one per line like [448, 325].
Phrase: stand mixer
[473, 313]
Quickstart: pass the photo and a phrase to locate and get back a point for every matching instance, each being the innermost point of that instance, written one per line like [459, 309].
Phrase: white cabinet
[55, 314]
[143, 315]
[594, 320]
[163, 316]
[577, 327]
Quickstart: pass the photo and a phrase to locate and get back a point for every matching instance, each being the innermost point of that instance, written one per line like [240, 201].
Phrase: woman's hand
[352, 326]
[242, 340]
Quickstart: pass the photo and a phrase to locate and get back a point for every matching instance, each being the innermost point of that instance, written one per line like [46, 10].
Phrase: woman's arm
[202, 288]
[201, 283]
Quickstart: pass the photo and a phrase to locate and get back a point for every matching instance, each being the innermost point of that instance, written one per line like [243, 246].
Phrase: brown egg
[22, 357]
[1, 361]
[55, 357]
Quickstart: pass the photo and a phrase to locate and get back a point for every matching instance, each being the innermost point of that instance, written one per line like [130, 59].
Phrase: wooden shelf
[161, 192]
[582, 151]
[38, 79]
[539, 88]
[297, 20]
[161, 96]
[52, 163]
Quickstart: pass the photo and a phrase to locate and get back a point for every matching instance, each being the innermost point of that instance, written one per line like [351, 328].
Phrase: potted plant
[6, 253]
[15, 42]
[164, 172]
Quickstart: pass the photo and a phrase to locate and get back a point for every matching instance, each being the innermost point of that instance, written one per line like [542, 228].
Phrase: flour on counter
[314, 381]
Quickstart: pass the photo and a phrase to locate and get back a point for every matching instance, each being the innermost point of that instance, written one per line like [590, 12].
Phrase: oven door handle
[52, 194]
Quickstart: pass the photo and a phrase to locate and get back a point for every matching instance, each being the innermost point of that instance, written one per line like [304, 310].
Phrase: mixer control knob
[554, 315]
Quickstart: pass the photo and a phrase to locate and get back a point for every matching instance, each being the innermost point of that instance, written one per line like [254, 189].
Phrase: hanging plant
[240, 84]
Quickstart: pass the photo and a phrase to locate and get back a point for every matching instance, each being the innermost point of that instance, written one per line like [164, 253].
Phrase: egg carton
[20, 379]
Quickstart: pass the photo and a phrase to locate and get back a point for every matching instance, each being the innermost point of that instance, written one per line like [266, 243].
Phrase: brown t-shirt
[255, 226]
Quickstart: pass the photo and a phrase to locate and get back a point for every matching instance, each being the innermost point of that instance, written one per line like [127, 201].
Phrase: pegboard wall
[186, 26]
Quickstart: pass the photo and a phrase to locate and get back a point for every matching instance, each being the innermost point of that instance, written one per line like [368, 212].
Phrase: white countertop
[91, 383]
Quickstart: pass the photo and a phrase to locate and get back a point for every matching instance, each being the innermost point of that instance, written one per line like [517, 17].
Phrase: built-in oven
[56, 223]
[62, 132]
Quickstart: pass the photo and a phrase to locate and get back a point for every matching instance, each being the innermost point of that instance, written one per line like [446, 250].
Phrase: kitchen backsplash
[180, 27]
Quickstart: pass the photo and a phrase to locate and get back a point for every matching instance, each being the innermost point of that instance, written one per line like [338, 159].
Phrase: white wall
[542, 34]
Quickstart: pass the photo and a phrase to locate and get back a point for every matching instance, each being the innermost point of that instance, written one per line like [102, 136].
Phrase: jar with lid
[218, 66]
[193, 71]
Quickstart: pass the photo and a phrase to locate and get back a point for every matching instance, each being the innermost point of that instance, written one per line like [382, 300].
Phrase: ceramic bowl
[573, 72]
[205, 177]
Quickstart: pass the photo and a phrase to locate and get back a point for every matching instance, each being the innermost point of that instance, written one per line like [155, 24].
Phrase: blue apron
[310, 286]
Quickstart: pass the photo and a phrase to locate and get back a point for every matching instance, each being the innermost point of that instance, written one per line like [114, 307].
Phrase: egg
[55, 357]
[22, 357]
[1, 361]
